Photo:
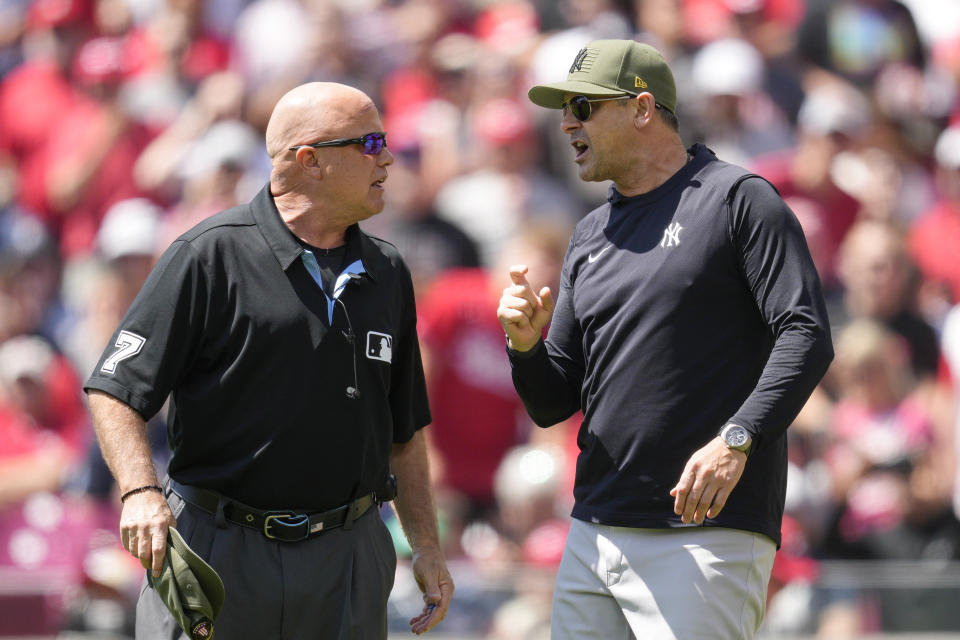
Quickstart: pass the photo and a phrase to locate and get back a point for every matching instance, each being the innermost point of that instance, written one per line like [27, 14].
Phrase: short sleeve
[159, 335]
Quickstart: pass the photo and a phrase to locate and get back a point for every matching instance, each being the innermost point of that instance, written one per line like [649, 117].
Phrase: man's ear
[309, 162]
[645, 106]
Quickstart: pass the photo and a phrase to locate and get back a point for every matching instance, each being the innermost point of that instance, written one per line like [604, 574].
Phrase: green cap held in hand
[191, 589]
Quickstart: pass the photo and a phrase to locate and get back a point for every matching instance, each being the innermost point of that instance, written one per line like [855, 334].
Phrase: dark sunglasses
[373, 143]
[581, 109]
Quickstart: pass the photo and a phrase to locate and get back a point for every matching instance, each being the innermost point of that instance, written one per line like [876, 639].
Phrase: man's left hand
[434, 580]
[708, 479]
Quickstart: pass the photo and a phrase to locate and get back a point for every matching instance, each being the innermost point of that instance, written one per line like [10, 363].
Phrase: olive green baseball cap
[191, 589]
[612, 68]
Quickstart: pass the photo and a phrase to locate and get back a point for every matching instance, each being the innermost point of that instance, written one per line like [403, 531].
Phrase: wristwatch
[736, 437]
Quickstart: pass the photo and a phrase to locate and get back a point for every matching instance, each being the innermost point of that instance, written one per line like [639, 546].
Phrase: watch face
[736, 436]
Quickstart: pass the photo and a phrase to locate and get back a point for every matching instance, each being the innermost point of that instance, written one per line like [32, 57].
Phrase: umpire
[286, 340]
[690, 328]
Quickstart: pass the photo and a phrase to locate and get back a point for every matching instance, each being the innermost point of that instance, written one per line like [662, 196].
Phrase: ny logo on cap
[578, 61]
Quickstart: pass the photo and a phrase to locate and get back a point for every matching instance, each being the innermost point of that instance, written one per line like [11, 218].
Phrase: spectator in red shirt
[831, 120]
[36, 94]
[477, 417]
[935, 237]
[43, 424]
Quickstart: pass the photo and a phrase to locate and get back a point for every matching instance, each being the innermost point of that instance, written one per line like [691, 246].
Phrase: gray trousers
[696, 583]
[331, 586]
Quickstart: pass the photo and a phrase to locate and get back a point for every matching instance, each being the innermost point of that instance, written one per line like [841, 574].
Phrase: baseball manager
[690, 329]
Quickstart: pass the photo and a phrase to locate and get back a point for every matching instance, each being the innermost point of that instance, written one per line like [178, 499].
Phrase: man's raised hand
[522, 312]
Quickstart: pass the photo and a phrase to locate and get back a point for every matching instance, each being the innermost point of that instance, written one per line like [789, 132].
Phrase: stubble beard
[590, 171]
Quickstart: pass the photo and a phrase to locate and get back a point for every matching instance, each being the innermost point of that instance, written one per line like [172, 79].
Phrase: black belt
[285, 525]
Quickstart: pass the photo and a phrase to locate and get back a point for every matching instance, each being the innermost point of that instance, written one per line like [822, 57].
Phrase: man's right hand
[143, 528]
[523, 313]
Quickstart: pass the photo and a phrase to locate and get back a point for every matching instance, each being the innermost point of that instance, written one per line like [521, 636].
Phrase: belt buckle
[289, 521]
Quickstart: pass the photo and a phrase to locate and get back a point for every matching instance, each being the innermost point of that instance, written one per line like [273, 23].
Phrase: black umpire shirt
[257, 362]
[679, 310]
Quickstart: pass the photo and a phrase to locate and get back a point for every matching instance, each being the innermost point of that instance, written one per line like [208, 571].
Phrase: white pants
[661, 584]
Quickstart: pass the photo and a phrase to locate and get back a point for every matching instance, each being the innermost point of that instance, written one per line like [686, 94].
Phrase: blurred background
[124, 122]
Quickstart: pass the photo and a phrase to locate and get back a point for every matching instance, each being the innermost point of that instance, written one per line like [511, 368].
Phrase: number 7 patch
[128, 345]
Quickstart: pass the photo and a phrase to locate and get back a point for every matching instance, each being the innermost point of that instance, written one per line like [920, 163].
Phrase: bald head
[312, 112]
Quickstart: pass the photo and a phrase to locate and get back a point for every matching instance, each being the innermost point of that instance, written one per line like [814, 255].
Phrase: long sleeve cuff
[526, 355]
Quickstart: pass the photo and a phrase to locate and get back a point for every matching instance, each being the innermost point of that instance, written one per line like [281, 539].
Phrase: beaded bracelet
[147, 487]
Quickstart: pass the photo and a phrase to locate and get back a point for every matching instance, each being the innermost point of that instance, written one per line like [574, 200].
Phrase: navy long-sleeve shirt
[679, 310]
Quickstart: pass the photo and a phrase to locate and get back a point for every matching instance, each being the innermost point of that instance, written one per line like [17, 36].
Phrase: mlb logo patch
[379, 346]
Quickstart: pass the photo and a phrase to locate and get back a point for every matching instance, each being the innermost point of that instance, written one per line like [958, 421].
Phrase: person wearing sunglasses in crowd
[286, 339]
[689, 328]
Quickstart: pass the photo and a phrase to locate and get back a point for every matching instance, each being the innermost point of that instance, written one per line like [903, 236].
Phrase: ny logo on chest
[671, 235]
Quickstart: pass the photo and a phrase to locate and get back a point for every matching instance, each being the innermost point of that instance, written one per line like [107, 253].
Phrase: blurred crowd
[125, 122]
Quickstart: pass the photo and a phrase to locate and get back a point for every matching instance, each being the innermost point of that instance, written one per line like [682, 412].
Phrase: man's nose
[568, 123]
